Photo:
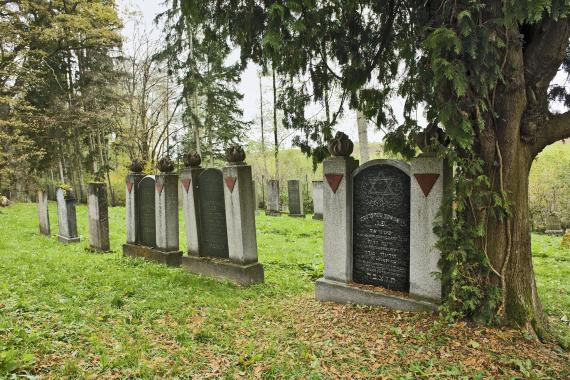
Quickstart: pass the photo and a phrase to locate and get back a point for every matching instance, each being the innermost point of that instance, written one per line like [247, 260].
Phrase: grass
[66, 312]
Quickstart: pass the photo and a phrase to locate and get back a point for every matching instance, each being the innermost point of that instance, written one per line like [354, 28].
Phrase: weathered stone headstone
[213, 230]
[553, 225]
[66, 216]
[43, 213]
[295, 193]
[382, 225]
[273, 198]
[191, 207]
[318, 200]
[228, 244]
[146, 212]
[378, 230]
[131, 204]
[98, 214]
[167, 222]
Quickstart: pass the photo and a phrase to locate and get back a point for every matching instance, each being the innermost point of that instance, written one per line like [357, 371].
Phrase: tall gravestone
[273, 198]
[190, 201]
[43, 213]
[213, 230]
[66, 216]
[378, 242]
[318, 200]
[227, 237]
[155, 217]
[98, 214]
[295, 198]
[132, 182]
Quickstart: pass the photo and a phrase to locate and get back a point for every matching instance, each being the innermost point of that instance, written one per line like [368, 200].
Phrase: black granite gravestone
[147, 218]
[213, 231]
[381, 227]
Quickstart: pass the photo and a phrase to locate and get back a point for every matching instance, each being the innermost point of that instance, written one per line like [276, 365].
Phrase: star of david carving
[383, 186]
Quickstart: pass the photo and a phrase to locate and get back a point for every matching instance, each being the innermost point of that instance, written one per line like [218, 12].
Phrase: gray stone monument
[318, 200]
[553, 225]
[156, 217]
[43, 213]
[378, 230]
[131, 203]
[190, 201]
[98, 214]
[66, 216]
[295, 197]
[228, 247]
[273, 198]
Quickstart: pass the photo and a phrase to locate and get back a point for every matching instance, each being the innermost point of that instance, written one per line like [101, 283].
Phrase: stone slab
[171, 259]
[66, 240]
[318, 205]
[98, 216]
[242, 275]
[43, 213]
[295, 198]
[272, 208]
[334, 291]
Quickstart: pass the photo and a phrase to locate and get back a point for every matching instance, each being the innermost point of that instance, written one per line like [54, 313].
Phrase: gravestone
[167, 221]
[379, 245]
[98, 214]
[295, 193]
[318, 200]
[553, 225]
[146, 212]
[381, 232]
[273, 198]
[190, 207]
[66, 216]
[213, 230]
[43, 213]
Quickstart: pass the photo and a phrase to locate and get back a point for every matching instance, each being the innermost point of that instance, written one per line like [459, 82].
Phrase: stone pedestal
[272, 198]
[98, 214]
[337, 200]
[43, 213]
[131, 206]
[430, 179]
[242, 267]
[166, 203]
[318, 200]
[66, 216]
[295, 198]
[190, 208]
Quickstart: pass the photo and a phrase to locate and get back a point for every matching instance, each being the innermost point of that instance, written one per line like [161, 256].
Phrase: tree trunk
[362, 125]
[275, 127]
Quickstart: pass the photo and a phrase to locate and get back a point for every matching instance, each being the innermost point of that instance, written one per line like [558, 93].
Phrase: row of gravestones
[295, 199]
[98, 215]
[219, 218]
[379, 244]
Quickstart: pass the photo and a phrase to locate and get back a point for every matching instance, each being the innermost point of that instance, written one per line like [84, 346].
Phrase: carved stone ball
[137, 166]
[235, 154]
[192, 160]
[341, 146]
[165, 165]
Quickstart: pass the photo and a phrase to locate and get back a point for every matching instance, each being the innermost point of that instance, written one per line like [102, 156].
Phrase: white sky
[249, 85]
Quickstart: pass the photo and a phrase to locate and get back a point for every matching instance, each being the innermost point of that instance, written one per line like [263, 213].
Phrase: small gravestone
[146, 212]
[318, 200]
[213, 230]
[273, 198]
[98, 213]
[295, 193]
[43, 213]
[553, 225]
[66, 216]
[382, 227]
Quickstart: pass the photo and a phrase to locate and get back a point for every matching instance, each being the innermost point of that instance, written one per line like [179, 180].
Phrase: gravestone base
[297, 215]
[66, 240]
[272, 213]
[171, 259]
[318, 216]
[554, 232]
[97, 249]
[242, 275]
[339, 292]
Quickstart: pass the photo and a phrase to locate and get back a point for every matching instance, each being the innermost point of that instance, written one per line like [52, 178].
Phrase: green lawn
[66, 312]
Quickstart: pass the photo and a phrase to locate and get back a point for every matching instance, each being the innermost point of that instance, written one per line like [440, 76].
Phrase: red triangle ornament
[186, 184]
[159, 187]
[231, 183]
[334, 181]
[426, 181]
[130, 186]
